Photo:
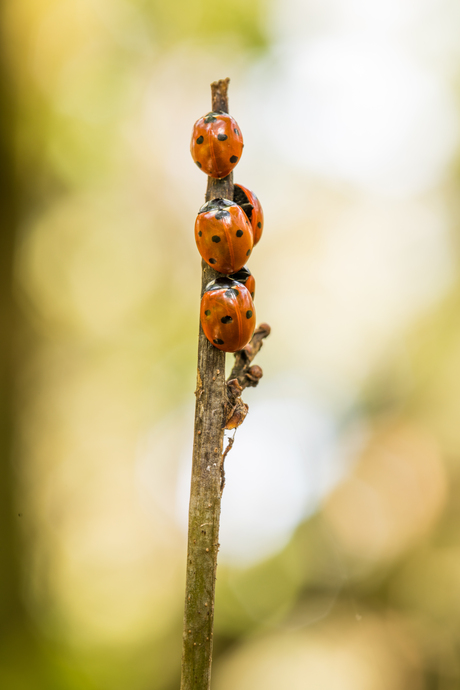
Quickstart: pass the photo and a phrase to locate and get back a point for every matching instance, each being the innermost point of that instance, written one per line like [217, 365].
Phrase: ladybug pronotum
[245, 276]
[227, 314]
[223, 235]
[251, 206]
[217, 144]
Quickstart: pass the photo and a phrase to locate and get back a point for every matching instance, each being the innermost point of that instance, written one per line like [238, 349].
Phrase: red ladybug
[227, 314]
[223, 235]
[217, 144]
[251, 206]
[245, 276]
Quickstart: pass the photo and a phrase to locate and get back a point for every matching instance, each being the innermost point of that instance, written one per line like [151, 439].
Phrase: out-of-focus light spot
[393, 497]
[71, 31]
[350, 655]
[88, 265]
[285, 458]
[279, 468]
[350, 95]
[362, 111]
[360, 274]
[429, 584]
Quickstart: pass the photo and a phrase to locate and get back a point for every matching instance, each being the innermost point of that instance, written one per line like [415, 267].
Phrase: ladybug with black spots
[223, 235]
[251, 206]
[245, 276]
[227, 314]
[217, 144]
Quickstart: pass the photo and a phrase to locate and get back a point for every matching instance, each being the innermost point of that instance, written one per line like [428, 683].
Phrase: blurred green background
[340, 551]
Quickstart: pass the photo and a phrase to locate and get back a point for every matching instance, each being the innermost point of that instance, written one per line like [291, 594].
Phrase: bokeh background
[340, 551]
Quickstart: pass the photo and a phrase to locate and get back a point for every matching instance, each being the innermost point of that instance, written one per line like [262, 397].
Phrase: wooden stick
[218, 404]
[207, 477]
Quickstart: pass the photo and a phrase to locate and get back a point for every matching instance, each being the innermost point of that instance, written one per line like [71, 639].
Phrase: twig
[218, 406]
[227, 450]
[242, 371]
[244, 375]
[207, 469]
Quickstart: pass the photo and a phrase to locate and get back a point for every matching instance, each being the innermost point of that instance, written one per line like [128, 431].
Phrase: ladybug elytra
[217, 144]
[251, 206]
[223, 235]
[227, 314]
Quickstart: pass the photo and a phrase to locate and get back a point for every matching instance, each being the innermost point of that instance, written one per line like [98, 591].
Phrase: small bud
[234, 388]
[254, 373]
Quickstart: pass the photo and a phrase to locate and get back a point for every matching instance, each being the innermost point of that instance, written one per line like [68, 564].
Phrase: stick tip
[219, 93]
[221, 84]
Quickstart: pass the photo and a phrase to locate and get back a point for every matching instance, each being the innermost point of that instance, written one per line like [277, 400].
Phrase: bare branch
[207, 477]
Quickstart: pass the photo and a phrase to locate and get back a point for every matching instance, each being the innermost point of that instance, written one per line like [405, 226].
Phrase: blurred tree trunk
[11, 610]
[22, 660]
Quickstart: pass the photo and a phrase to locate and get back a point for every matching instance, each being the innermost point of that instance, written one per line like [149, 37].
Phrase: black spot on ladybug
[199, 233]
[248, 314]
[198, 163]
[200, 140]
[218, 341]
[239, 233]
[252, 295]
[248, 252]
[221, 214]
[231, 292]
[210, 118]
[222, 137]
[226, 319]
[212, 261]
[207, 312]
[233, 159]
[236, 132]
[259, 224]
[215, 238]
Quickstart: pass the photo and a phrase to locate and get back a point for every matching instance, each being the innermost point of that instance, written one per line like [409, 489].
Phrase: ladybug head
[242, 275]
[222, 283]
[215, 205]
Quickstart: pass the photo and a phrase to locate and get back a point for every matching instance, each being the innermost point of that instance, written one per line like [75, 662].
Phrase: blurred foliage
[99, 282]
[207, 21]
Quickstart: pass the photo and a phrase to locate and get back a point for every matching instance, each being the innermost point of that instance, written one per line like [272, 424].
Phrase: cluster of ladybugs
[225, 233]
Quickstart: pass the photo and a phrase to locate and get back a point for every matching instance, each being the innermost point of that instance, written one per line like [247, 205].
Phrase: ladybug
[223, 235]
[245, 276]
[227, 314]
[251, 206]
[217, 144]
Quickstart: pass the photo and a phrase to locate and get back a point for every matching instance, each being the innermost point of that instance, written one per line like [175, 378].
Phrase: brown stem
[242, 371]
[243, 375]
[207, 477]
